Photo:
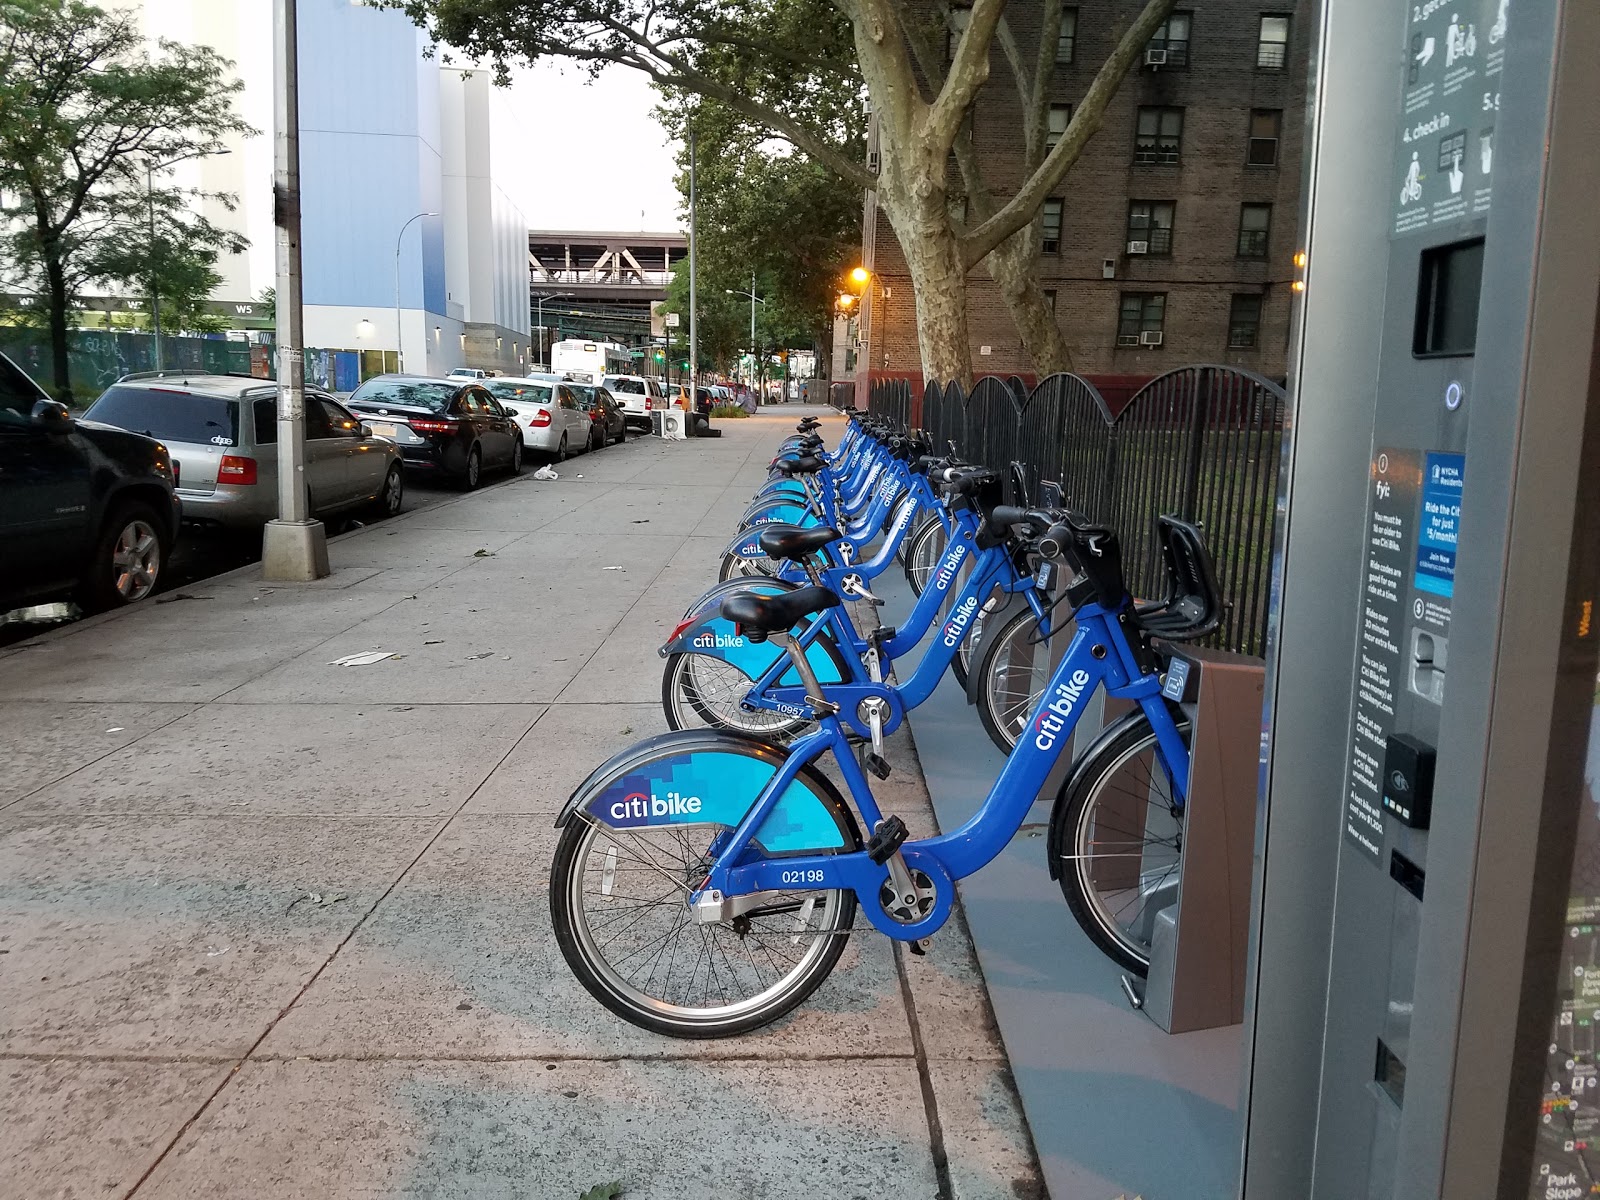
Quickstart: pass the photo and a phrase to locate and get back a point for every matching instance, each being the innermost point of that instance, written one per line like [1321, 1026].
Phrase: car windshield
[411, 393]
[630, 387]
[528, 393]
[169, 414]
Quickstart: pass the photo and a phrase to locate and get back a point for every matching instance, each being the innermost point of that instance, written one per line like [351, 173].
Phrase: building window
[1050, 228]
[1060, 118]
[1140, 319]
[1272, 44]
[1266, 124]
[957, 206]
[1169, 47]
[1150, 226]
[1158, 139]
[954, 29]
[1255, 223]
[1244, 322]
[1066, 40]
[1050, 298]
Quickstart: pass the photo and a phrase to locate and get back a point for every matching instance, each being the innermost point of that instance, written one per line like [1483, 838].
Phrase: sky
[616, 157]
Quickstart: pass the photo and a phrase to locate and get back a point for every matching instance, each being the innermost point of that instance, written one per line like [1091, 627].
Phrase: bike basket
[1193, 604]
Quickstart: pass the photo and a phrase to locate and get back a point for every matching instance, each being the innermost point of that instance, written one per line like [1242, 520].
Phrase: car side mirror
[364, 429]
[52, 416]
[511, 412]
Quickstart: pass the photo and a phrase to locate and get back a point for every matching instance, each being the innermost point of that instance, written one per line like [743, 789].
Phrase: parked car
[637, 395]
[467, 373]
[452, 426]
[222, 431]
[550, 414]
[86, 510]
[610, 424]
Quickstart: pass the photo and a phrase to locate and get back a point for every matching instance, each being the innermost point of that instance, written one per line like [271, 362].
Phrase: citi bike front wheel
[619, 906]
[1011, 678]
[1116, 841]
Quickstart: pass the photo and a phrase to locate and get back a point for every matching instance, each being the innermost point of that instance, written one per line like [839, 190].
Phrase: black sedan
[609, 421]
[453, 426]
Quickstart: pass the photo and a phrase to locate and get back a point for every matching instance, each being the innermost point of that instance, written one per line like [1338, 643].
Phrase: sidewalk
[276, 928]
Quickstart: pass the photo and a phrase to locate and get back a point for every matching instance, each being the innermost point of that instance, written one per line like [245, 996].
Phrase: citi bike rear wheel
[619, 906]
[1117, 841]
[735, 567]
[700, 690]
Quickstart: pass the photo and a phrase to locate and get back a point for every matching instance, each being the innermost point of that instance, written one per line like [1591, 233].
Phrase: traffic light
[661, 356]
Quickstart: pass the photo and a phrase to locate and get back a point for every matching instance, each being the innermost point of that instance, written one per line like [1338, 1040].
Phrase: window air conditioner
[1127, 339]
[1155, 58]
[1138, 247]
[872, 162]
[1150, 337]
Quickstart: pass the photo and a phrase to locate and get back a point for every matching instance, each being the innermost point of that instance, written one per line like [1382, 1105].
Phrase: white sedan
[550, 414]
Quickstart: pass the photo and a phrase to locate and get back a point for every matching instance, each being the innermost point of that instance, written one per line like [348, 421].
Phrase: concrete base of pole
[294, 551]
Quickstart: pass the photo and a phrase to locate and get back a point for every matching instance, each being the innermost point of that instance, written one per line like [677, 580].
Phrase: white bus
[586, 362]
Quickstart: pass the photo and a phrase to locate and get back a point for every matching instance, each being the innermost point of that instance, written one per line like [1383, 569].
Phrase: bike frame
[1099, 656]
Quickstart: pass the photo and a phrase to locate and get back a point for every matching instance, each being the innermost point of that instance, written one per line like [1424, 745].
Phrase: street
[278, 927]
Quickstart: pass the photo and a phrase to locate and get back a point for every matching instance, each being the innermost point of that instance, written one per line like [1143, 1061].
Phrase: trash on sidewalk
[613, 568]
[316, 898]
[485, 654]
[545, 473]
[365, 659]
[480, 553]
[434, 642]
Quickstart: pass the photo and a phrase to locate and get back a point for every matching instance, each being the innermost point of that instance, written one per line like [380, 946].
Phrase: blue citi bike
[704, 882]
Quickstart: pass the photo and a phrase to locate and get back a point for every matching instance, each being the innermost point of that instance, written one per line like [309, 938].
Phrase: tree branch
[1086, 121]
[969, 67]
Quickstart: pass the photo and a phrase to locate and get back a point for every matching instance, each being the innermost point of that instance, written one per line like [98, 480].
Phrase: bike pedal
[919, 947]
[887, 837]
[875, 763]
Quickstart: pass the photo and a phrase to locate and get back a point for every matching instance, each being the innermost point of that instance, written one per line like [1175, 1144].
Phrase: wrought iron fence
[1199, 442]
[890, 399]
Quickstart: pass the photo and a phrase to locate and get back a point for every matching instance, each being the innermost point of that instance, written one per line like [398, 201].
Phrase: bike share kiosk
[1426, 968]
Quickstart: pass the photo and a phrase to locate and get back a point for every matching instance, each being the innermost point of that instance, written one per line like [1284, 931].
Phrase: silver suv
[222, 431]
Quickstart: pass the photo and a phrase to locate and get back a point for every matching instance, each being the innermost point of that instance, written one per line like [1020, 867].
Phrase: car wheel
[561, 450]
[127, 560]
[392, 495]
[469, 478]
[516, 457]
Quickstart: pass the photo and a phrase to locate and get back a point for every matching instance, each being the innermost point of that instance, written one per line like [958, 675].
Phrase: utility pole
[753, 328]
[694, 340]
[399, 340]
[155, 280]
[294, 547]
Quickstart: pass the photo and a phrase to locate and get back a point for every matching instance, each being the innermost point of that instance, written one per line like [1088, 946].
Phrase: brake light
[678, 632]
[430, 425]
[540, 419]
[647, 404]
[234, 469]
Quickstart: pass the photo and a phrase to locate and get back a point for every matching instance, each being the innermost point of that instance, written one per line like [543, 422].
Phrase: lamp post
[150, 169]
[754, 300]
[542, 298]
[399, 342]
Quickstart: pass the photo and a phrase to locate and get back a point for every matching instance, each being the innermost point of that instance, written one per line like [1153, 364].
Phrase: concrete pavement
[274, 927]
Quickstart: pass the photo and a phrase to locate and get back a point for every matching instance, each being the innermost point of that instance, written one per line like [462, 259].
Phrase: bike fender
[699, 777]
[1080, 768]
[764, 585]
[746, 544]
[769, 512]
[714, 635]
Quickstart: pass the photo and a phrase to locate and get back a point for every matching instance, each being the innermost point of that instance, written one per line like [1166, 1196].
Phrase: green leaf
[602, 1191]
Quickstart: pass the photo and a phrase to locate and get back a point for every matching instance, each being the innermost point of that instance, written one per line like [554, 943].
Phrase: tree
[766, 210]
[776, 62]
[85, 111]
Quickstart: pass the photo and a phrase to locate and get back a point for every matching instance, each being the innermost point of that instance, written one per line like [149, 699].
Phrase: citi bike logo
[638, 808]
[958, 620]
[1053, 719]
[951, 564]
[717, 641]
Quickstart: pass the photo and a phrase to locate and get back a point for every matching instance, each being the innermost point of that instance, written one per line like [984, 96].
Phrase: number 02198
[812, 876]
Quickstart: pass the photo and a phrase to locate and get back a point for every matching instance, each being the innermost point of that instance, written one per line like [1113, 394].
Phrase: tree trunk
[56, 277]
[1014, 268]
[938, 284]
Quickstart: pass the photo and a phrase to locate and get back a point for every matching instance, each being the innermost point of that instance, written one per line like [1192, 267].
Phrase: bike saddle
[808, 425]
[795, 541]
[805, 465]
[757, 615]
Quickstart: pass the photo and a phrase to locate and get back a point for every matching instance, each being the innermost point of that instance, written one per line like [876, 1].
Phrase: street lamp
[150, 168]
[754, 300]
[399, 342]
[542, 297]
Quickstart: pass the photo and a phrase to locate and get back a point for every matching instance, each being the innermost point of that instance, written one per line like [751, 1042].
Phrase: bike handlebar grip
[1055, 542]
[1004, 516]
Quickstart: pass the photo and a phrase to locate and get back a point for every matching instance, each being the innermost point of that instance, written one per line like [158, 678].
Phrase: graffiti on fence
[1202, 442]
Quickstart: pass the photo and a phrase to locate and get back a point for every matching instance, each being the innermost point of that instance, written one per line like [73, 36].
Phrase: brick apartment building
[1172, 239]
